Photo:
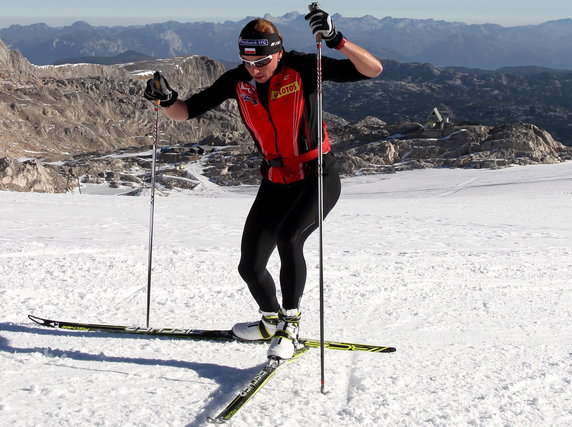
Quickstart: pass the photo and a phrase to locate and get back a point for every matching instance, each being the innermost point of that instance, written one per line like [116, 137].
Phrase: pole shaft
[152, 213]
[320, 136]
[321, 211]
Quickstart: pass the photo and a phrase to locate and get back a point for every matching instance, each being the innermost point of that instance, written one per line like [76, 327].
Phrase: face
[261, 74]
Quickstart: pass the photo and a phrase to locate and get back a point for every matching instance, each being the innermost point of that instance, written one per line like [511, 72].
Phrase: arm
[178, 111]
[323, 27]
[365, 62]
[159, 91]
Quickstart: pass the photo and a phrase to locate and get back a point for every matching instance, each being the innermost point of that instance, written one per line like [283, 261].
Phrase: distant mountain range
[482, 46]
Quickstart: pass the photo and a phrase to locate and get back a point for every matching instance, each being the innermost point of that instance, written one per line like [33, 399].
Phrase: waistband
[289, 162]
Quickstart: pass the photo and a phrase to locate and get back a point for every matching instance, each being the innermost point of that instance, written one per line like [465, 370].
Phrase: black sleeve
[336, 70]
[340, 70]
[222, 89]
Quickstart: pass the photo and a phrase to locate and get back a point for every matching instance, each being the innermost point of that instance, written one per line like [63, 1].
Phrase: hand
[321, 24]
[158, 90]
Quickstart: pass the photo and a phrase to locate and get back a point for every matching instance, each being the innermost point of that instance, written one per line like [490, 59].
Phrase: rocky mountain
[57, 112]
[442, 43]
[407, 92]
[62, 127]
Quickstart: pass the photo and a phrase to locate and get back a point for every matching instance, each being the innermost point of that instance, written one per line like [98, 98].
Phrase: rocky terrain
[409, 91]
[62, 127]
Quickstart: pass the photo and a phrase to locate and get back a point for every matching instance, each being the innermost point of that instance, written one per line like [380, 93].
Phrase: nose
[254, 71]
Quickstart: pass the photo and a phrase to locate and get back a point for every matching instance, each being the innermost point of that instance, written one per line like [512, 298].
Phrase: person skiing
[276, 93]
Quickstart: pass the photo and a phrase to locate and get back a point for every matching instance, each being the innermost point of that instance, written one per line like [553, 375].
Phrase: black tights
[283, 216]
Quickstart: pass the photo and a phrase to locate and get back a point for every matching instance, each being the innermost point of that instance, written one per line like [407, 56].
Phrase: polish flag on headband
[251, 50]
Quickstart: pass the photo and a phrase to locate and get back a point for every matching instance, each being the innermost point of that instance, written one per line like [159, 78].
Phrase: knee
[249, 272]
[245, 270]
[288, 240]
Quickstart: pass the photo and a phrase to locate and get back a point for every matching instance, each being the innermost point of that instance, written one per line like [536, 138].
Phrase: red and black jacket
[281, 115]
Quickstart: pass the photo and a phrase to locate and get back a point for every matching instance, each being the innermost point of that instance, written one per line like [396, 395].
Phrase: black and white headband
[259, 44]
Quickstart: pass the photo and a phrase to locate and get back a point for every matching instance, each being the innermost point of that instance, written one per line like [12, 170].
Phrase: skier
[276, 93]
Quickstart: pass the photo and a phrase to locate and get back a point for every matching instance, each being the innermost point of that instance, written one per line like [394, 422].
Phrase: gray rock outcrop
[58, 112]
[466, 146]
[32, 176]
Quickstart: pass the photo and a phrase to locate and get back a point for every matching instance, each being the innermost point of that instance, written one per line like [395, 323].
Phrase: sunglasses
[258, 62]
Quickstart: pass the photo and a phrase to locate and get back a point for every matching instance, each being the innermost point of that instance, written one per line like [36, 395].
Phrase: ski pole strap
[341, 43]
[280, 162]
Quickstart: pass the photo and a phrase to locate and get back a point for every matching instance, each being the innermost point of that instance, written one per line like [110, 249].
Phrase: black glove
[321, 23]
[159, 90]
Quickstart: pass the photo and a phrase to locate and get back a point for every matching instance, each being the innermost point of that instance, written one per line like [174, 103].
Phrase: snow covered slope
[466, 272]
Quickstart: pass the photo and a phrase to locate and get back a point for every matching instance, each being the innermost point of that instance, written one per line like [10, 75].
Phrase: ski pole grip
[312, 7]
[157, 85]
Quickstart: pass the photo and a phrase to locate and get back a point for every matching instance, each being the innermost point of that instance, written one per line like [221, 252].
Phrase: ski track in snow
[466, 272]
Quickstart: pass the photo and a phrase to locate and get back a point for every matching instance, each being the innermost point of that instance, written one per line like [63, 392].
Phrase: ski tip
[35, 319]
[43, 322]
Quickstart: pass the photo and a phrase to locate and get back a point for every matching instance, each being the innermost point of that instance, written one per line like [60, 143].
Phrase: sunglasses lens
[263, 62]
[258, 63]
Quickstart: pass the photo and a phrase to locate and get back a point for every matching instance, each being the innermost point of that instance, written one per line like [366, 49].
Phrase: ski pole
[312, 7]
[157, 84]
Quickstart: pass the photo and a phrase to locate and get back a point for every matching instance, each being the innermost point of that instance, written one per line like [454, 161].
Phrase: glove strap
[335, 41]
[342, 43]
[171, 100]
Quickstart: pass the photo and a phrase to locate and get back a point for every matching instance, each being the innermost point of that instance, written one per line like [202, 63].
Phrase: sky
[132, 12]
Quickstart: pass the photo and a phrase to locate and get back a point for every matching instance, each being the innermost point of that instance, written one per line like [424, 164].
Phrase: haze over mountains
[482, 46]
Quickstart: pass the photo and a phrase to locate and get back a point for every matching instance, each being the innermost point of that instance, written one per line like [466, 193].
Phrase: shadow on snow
[229, 379]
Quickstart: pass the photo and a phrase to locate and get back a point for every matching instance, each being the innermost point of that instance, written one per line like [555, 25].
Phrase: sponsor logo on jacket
[285, 90]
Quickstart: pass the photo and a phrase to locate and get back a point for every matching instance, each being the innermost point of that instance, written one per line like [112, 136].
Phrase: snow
[466, 272]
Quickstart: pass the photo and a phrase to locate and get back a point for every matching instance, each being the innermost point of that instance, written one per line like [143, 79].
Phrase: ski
[254, 386]
[197, 334]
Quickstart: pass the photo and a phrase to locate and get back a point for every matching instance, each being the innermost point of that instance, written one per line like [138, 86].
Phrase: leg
[301, 221]
[258, 243]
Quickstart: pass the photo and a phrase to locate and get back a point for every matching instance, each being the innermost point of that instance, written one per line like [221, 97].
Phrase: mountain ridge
[443, 43]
